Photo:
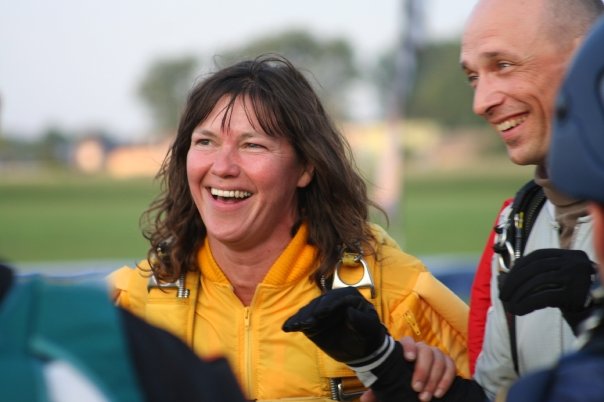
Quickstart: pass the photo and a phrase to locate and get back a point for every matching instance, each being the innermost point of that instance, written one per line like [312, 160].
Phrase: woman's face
[243, 181]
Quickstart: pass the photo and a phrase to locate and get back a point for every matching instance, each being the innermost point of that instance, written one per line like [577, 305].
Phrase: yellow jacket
[271, 364]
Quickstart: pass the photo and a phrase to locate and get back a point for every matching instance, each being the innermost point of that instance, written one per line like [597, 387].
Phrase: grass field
[451, 214]
[71, 217]
[46, 218]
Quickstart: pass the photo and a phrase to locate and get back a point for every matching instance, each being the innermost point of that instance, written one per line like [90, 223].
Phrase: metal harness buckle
[346, 389]
[351, 259]
[179, 285]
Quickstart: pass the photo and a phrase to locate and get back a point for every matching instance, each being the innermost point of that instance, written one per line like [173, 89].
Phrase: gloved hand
[548, 278]
[345, 325]
[342, 323]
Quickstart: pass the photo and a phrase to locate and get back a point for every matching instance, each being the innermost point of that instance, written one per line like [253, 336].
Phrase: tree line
[438, 91]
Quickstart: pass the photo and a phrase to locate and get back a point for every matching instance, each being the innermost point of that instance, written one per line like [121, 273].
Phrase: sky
[76, 64]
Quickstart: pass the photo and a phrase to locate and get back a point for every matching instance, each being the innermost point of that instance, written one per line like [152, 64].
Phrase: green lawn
[45, 218]
[452, 214]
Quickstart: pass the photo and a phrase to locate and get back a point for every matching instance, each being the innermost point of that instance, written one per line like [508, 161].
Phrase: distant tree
[329, 63]
[164, 89]
[14, 148]
[53, 148]
[440, 91]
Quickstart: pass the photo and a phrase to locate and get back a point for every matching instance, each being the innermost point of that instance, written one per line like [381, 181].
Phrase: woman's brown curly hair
[334, 205]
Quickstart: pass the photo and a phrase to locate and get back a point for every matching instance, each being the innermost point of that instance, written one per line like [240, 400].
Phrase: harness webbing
[528, 201]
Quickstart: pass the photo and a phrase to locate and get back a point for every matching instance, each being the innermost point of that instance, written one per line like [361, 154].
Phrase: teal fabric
[43, 320]
[21, 375]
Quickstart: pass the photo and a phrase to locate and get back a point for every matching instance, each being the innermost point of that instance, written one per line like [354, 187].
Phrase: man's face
[515, 68]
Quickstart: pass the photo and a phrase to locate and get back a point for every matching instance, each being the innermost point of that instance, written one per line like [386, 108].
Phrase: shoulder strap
[525, 208]
[171, 306]
[351, 270]
[515, 230]
[514, 233]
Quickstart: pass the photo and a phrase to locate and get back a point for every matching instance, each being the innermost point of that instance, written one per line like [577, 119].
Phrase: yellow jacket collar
[296, 261]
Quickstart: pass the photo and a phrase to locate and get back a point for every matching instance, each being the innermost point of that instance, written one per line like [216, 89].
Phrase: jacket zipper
[247, 351]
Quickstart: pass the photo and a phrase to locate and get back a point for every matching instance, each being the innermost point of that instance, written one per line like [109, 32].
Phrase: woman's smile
[229, 195]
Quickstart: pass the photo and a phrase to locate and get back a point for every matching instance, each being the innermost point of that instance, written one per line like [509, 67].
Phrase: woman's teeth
[229, 193]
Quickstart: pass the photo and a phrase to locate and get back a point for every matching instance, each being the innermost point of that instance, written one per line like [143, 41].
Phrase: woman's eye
[253, 145]
[202, 141]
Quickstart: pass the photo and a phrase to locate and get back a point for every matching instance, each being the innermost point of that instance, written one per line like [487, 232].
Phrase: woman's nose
[226, 162]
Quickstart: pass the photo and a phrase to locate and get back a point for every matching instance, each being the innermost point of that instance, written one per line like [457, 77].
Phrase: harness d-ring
[502, 266]
[503, 242]
[350, 259]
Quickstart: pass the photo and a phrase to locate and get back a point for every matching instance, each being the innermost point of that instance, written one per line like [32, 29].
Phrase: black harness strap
[525, 209]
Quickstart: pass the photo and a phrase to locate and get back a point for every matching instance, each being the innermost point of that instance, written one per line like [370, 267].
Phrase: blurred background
[91, 92]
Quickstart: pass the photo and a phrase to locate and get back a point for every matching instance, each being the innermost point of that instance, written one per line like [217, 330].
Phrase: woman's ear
[306, 176]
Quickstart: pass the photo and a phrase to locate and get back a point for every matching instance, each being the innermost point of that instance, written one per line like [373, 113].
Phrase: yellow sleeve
[129, 289]
[452, 314]
[417, 304]
[433, 314]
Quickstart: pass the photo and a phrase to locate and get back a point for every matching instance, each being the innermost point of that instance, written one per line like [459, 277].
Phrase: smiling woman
[261, 211]
[244, 184]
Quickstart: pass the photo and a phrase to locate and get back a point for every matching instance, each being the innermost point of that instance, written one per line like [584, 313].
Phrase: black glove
[549, 278]
[342, 323]
[345, 325]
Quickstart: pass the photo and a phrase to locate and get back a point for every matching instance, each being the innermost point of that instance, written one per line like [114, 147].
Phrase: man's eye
[504, 64]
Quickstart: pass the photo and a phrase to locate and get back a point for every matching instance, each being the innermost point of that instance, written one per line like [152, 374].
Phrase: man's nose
[487, 95]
